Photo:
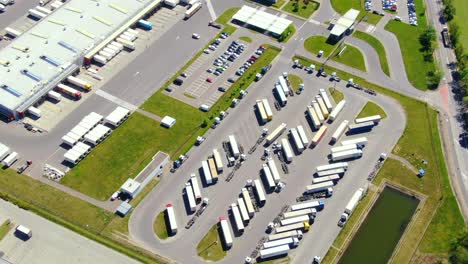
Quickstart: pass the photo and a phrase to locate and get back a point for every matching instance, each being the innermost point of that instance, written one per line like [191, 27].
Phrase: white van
[204, 108]
[23, 231]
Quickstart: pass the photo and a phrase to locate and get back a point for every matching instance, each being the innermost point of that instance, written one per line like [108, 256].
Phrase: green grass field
[246, 39]
[420, 141]
[5, 228]
[210, 247]
[302, 10]
[159, 226]
[342, 6]
[226, 16]
[336, 94]
[295, 81]
[379, 48]
[371, 109]
[352, 57]
[461, 7]
[316, 43]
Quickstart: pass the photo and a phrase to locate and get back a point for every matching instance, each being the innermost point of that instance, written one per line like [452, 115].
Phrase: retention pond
[383, 227]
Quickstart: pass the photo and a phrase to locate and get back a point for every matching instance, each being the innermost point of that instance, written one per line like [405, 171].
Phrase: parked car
[209, 80]
[222, 89]
[195, 36]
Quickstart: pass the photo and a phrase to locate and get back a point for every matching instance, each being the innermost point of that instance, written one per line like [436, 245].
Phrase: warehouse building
[343, 24]
[261, 21]
[40, 58]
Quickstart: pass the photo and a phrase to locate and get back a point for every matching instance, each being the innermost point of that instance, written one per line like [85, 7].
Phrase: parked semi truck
[343, 148]
[360, 128]
[307, 211]
[248, 202]
[227, 235]
[375, 119]
[274, 251]
[243, 210]
[291, 241]
[360, 142]
[268, 111]
[192, 10]
[318, 111]
[336, 111]
[319, 205]
[195, 187]
[234, 147]
[334, 178]
[276, 133]
[326, 100]
[298, 226]
[296, 219]
[79, 82]
[351, 205]
[294, 233]
[346, 154]
[339, 131]
[259, 192]
[322, 106]
[297, 140]
[218, 160]
[339, 171]
[237, 218]
[313, 117]
[319, 187]
[206, 172]
[319, 135]
[171, 219]
[10, 159]
[338, 165]
[261, 111]
[288, 154]
[68, 91]
[274, 170]
[268, 177]
[190, 197]
[281, 96]
[303, 136]
[213, 170]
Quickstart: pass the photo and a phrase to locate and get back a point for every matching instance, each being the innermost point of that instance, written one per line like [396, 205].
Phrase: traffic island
[160, 227]
[210, 247]
[371, 109]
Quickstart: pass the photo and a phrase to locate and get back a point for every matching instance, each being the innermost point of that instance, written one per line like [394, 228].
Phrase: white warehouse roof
[344, 22]
[63, 37]
[262, 20]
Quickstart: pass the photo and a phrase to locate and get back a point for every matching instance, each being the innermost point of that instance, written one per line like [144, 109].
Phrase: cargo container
[303, 136]
[351, 205]
[281, 96]
[268, 177]
[299, 226]
[234, 147]
[36, 14]
[68, 91]
[243, 210]
[127, 44]
[248, 202]
[274, 251]
[360, 142]
[34, 111]
[268, 111]
[192, 10]
[13, 32]
[171, 218]
[43, 10]
[226, 232]
[313, 117]
[284, 85]
[79, 131]
[131, 36]
[334, 178]
[10, 159]
[79, 82]
[127, 38]
[117, 44]
[294, 233]
[274, 170]
[145, 24]
[319, 135]
[117, 48]
[68, 140]
[261, 111]
[171, 3]
[307, 211]
[318, 111]
[72, 157]
[297, 140]
[195, 187]
[106, 55]
[337, 110]
[237, 218]
[83, 147]
[206, 172]
[117, 116]
[291, 241]
[110, 50]
[339, 171]
[190, 197]
[259, 192]
[339, 131]
[319, 187]
[276, 133]
[296, 219]
[322, 106]
[100, 59]
[360, 128]
[319, 205]
[338, 165]
[343, 148]
[287, 152]
[214, 172]
[218, 160]
[375, 119]
[326, 100]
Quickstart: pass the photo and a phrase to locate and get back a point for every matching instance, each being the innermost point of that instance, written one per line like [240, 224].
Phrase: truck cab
[343, 219]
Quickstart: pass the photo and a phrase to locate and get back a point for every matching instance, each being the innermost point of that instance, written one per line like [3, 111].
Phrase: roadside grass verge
[352, 56]
[371, 109]
[68, 211]
[281, 260]
[295, 81]
[420, 141]
[226, 16]
[300, 8]
[462, 8]
[246, 39]
[379, 48]
[160, 227]
[287, 34]
[210, 247]
[5, 228]
[336, 94]
[342, 6]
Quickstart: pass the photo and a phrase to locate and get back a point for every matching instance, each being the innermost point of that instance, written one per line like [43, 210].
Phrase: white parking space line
[116, 100]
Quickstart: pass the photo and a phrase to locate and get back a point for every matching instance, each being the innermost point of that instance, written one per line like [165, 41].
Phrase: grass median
[371, 109]
[342, 6]
[336, 94]
[160, 227]
[295, 81]
[5, 228]
[379, 48]
[301, 8]
[210, 247]
[420, 145]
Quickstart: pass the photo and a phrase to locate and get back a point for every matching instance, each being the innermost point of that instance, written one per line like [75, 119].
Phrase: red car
[209, 80]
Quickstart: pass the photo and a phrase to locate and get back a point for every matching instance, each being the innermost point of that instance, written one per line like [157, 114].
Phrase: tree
[459, 251]
[449, 11]
[454, 33]
[427, 38]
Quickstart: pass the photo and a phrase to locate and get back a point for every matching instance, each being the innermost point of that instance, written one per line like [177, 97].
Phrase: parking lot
[300, 170]
[51, 243]
[404, 9]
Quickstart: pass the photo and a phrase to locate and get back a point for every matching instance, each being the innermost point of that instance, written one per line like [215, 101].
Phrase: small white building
[168, 121]
[344, 23]
[130, 187]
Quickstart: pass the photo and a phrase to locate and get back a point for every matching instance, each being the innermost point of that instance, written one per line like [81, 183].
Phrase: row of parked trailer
[91, 131]
[212, 167]
[7, 157]
[124, 40]
[264, 110]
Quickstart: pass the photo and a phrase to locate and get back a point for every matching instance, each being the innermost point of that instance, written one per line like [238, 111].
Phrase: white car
[115, 195]
[195, 36]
